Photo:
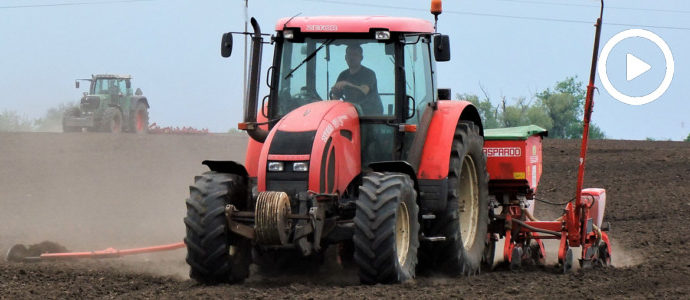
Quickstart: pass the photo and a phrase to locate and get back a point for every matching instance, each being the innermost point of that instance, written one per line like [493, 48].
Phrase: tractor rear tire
[140, 119]
[214, 253]
[386, 234]
[112, 120]
[466, 220]
[70, 113]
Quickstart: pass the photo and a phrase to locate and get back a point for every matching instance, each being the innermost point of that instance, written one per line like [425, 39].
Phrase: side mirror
[128, 84]
[226, 45]
[443, 94]
[441, 47]
[76, 84]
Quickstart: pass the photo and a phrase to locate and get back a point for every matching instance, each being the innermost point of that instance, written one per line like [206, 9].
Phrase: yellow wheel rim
[402, 233]
[468, 198]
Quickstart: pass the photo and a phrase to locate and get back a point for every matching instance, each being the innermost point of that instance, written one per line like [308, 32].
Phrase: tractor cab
[111, 86]
[104, 90]
[384, 67]
[354, 60]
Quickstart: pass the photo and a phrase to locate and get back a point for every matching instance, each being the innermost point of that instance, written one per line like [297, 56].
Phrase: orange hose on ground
[112, 252]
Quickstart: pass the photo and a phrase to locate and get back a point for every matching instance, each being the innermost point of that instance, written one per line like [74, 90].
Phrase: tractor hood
[313, 133]
[90, 103]
[310, 116]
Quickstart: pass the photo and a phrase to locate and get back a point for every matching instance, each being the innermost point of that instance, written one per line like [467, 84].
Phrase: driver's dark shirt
[371, 102]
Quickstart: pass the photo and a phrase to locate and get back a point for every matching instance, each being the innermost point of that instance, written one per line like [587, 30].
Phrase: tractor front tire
[214, 253]
[112, 120]
[386, 234]
[140, 119]
[466, 220]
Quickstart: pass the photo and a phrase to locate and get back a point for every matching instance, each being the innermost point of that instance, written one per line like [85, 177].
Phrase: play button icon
[635, 67]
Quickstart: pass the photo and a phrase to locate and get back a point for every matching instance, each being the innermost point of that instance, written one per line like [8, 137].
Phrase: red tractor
[353, 147]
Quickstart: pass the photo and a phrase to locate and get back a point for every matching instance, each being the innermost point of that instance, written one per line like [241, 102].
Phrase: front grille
[90, 103]
[290, 187]
[287, 142]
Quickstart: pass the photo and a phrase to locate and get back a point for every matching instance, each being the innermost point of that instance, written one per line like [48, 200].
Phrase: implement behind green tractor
[109, 106]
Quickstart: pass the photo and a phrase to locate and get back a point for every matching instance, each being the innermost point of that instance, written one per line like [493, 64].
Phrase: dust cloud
[92, 191]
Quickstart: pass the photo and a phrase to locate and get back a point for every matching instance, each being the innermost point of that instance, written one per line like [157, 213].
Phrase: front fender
[226, 166]
[439, 140]
[399, 166]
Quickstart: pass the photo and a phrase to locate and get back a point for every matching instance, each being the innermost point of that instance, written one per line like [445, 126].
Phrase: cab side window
[121, 86]
[418, 84]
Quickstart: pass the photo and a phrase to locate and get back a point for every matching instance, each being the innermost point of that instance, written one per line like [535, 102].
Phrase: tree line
[12, 121]
[558, 109]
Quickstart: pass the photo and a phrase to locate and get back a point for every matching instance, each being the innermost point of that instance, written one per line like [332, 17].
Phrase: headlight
[275, 166]
[301, 166]
[382, 35]
[288, 34]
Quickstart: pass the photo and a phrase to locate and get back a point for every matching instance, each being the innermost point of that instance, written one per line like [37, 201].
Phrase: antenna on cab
[436, 9]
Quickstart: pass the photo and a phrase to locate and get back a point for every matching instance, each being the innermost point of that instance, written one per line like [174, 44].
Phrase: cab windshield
[110, 86]
[360, 71]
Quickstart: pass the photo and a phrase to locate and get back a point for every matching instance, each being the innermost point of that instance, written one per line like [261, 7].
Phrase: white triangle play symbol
[635, 67]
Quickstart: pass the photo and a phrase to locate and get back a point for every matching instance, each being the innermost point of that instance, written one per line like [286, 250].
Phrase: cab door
[419, 83]
[121, 98]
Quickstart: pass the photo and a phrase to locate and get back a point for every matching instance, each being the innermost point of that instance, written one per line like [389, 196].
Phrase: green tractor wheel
[112, 120]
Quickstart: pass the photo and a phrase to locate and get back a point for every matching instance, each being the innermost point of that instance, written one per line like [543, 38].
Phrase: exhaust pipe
[252, 96]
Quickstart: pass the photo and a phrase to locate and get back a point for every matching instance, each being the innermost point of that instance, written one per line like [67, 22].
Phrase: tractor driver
[113, 88]
[357, 84]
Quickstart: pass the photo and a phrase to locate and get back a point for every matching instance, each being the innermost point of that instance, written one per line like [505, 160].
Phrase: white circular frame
[659, 42]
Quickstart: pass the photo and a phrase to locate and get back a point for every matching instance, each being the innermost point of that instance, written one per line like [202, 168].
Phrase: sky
[510, 48]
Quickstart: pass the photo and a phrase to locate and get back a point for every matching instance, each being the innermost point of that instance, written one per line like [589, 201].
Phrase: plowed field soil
[94, 191]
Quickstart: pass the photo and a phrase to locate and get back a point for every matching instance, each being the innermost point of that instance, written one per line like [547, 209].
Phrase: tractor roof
[355, 24]
[111, 76]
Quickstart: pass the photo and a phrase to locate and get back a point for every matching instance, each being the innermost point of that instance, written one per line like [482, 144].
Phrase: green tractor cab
[109, 106]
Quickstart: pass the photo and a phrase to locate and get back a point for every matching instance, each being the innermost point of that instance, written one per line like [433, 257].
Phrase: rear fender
[138, 99]
[436, 152]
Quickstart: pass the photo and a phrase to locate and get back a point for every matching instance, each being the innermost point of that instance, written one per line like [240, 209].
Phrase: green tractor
[109, 106]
